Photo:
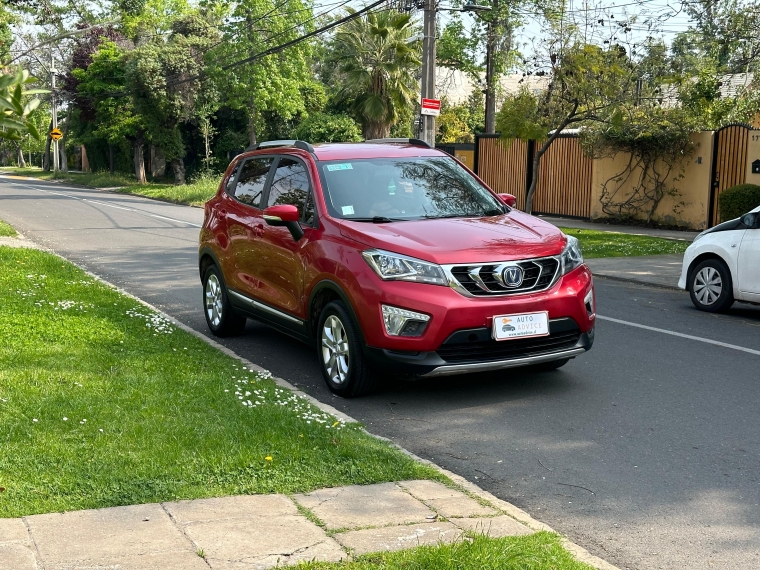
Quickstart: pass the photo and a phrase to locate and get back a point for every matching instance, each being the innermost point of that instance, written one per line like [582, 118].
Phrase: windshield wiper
[374, 220]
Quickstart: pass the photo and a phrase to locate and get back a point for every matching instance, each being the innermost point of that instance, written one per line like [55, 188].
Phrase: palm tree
[377, 60]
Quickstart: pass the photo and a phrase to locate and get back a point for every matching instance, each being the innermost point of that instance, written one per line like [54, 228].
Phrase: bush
[321, 127]
[739, 200]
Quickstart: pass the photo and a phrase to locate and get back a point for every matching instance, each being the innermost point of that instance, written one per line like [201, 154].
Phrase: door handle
[258, 230]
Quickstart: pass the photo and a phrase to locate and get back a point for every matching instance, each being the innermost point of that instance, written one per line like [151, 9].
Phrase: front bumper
[472, 350]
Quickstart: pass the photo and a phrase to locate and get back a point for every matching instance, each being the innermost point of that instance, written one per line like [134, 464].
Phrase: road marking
[91, 201]
[681, 335]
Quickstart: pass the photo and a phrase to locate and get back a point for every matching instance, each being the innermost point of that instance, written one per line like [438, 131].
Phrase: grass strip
[6, 230]
[540, 551]
[196, 193]
[596, 243]
[104, 402]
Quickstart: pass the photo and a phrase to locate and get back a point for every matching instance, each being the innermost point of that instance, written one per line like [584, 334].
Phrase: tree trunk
[137, 148]
[178, 166]
[46, 162]
[110, 159]
[376, 130]
[21, 161]
[63, 161]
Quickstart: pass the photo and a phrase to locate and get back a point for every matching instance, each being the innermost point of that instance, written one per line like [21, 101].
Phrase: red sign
[431, 107]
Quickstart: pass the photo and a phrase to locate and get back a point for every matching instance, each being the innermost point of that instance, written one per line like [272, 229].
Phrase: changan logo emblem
[513, 276]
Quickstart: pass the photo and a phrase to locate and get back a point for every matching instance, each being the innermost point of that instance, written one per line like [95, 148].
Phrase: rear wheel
[710, 286]
[344, 368]
[220, 316]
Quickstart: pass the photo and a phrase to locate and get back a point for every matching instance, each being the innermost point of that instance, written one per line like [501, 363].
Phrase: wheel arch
[206, 258]
[323, 293]
[704, 257]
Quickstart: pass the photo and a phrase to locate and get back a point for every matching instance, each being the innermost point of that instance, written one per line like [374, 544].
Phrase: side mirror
[751, 220]
[508, 199]
[284, 215]
[230, 187]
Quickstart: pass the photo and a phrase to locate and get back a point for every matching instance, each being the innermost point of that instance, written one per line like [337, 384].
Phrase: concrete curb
[636, 282]
[515, 512]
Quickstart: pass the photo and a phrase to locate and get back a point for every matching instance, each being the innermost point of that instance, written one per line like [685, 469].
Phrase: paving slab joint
[33, 541]
[196, 548]
[456, 481]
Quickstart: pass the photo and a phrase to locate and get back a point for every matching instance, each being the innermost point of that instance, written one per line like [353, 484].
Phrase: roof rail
[415, 142]
[303, 145]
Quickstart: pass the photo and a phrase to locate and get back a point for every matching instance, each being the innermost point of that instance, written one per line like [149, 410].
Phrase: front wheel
[344, 368]
[710, 286]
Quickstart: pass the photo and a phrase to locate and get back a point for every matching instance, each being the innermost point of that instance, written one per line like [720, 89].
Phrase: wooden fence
[564, 179]
[729, 166]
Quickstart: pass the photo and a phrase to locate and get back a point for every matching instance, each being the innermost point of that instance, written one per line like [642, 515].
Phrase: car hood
[511, 236]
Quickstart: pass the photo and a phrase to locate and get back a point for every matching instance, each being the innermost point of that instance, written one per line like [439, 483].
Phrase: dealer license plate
[524, 325]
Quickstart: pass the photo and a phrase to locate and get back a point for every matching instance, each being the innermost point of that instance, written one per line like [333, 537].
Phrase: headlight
[571, 255]
[402, 322]
[394, 267]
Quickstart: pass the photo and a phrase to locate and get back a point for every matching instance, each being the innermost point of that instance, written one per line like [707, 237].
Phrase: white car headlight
[571, 256]
[395, 267]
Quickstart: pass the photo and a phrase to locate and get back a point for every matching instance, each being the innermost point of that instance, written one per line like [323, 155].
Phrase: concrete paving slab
[494, 526]
[398, 537]
[359, 506]
[16, 556]
[323, 552]
[262, 541]
[660, 270]
[156, 561]
[224, 508]
[13, 530]
[100, 534]
[448, 502]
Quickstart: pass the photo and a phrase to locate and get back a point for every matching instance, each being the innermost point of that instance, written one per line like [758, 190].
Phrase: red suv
[390, 255]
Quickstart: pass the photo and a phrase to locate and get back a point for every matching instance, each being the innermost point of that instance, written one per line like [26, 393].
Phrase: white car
[723, 264]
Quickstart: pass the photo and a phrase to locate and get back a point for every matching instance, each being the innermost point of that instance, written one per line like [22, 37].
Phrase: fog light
[589, 302]
[400, 322]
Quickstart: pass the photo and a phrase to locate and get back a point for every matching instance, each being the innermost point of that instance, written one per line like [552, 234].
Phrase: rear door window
[290, 185]
[249, 187]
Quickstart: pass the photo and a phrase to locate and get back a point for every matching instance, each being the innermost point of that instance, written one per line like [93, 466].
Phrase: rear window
[404, 189]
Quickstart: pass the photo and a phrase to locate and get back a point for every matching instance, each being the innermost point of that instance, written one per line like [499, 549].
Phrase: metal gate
[729, 166]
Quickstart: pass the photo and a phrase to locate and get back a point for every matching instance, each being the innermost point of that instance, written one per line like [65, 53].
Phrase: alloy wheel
[335, 351]
[213, 295]
[708, 285]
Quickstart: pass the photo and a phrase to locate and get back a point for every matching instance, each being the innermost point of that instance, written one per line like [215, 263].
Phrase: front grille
[480, 350]
[483, 280]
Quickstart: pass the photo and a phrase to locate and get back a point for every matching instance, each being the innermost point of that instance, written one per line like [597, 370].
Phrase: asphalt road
[645, 450]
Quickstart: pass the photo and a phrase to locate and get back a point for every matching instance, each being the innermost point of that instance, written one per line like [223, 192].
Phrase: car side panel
[749, 262]
[723, 244]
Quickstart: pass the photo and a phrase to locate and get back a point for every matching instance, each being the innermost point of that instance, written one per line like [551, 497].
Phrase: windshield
[391, 189]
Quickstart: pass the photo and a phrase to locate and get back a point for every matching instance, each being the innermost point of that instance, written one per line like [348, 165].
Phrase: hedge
[739, 200]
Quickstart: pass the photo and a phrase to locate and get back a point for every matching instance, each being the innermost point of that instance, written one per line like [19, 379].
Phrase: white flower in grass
[34, 420]
[65, 419]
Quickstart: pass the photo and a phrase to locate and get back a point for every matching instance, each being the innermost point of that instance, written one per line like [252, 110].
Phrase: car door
[281, 266]
[245, 223]
[749, 262]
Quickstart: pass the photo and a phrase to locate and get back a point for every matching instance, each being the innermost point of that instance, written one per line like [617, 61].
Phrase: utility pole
[428, 68]
[490, 125]
[54, 105]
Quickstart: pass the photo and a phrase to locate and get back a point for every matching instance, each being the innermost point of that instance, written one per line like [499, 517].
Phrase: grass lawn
[194, 194]
[540, 551]
[613, 244]
[6, 230]
[104, 403]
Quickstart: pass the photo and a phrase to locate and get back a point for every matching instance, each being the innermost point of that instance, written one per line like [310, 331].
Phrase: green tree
[377, 61]
[321, 127]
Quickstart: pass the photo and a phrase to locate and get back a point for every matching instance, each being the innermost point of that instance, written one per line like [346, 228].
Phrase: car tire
[221, 318]
[551, 365]
[710, 286]
[341, 358]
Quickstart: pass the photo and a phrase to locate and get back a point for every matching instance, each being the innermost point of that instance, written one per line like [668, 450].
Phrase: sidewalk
[657, 270]
[634, 230]
[252, 532]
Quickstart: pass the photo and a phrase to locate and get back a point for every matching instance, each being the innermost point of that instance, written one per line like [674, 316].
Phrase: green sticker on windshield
[344, 166]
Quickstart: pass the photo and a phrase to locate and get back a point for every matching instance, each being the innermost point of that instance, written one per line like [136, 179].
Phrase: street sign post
[56, 134]
[431, 107]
